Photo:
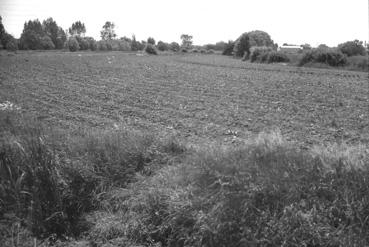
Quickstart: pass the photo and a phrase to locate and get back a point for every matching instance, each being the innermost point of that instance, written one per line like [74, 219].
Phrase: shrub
[228, 48]
[327, 56]
[277, 57]
[259, 54]
[150, 49]
[352, 48]
[73, 44]
[211, 51]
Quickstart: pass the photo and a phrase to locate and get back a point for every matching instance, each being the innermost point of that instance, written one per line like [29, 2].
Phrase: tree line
[48, 35]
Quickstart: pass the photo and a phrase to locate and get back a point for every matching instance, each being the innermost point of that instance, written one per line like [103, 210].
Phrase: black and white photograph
[166, 123]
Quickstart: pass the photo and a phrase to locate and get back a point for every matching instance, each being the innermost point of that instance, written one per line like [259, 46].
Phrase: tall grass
[267, 193]
[48, 180]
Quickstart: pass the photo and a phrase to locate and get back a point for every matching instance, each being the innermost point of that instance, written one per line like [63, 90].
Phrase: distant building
[290, 48]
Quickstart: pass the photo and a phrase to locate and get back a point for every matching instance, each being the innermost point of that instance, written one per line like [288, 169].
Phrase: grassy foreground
[119, 188]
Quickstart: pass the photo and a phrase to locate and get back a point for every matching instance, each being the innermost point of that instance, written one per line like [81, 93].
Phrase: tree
[323, 46]
[77, 29]
[2, 32]
[228, 49]
[7, 41]
[306, 46]
[352, 48]
[135, 45]
[73, 44]
[151, 40]
[186, 41]
[174, 46]
[242, 46]
[108, 33]
[51, 29]
[32, 35]
[260, 38]
[162, 46]
[61, 38]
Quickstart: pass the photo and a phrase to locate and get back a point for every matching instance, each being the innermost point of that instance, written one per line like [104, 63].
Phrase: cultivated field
[197, 97]
[175, 150]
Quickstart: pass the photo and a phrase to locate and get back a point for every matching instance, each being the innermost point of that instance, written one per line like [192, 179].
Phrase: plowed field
[198, 97]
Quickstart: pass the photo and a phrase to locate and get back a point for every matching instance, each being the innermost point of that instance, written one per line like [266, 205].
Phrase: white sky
[287, 21]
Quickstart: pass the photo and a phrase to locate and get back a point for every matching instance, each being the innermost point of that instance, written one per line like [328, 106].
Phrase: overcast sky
[287, 21]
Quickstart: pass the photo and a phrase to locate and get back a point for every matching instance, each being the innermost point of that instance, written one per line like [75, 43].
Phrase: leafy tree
[2, 31]
[108, 33]
[306, 46]
[151, 40]
[352, 48]
[323, 46]
[151, 49]
[11, 43]
[162, 46]
[186, 41]
[73, 44]
[260, 38]
[61, 38]
[32, 35]
[83, 43]
[77, 29]
[242, 46]
[51, 29]
[174, 46]
[135, 45]
[228, 49]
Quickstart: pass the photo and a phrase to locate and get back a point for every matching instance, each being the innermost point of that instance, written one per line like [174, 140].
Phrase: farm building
[290, 48]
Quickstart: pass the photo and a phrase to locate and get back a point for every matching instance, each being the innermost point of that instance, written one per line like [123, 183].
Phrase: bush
[352, 48]
[228, 48]
[259, 54]
[277, 57]
[150, 49]
[330, 57]
[73, 44]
